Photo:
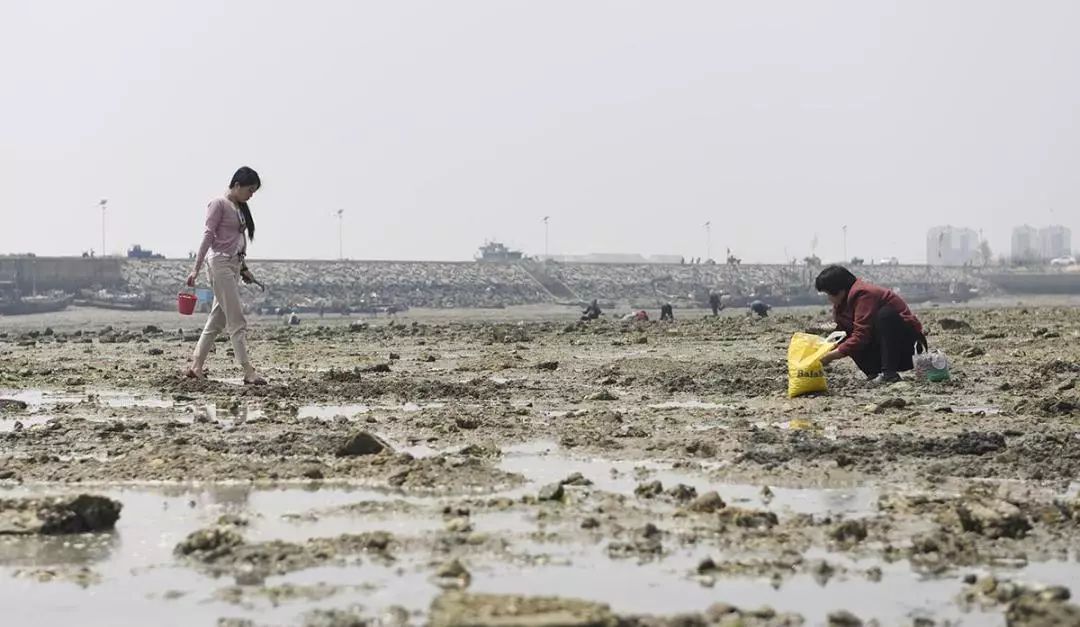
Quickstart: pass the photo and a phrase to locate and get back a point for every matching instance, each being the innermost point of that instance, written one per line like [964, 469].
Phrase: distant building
[951, 246]
[1055, 241]
[1025, 244]
[498, 252]
[1031, 245]
[138, 252]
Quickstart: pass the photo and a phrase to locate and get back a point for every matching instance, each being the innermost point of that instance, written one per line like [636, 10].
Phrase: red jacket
[855, 314]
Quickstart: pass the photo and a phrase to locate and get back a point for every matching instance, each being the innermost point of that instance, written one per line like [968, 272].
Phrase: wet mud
[547, 472]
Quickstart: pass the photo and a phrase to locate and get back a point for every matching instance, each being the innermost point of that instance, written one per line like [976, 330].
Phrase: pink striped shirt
[224, 233]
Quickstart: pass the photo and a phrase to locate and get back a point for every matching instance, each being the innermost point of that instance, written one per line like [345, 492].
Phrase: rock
[992, 518]
[647, 543]
[602, 395]
[467, 422]
[363, 443]
[822, 571]
[486, 450]
[849, 532]
[459, 524]
[1029, 611]
[233, 520]
[1054, 406]
[58, 515]
[454, 569]
[749, 518]
[844, 618]
[10, 404]
[313, 472]
[336, 618]
[630, 431]
[357, 327]
[551, 492]
[891, 403]
[973, 352]
[707, 503]
[682, 492]
[394, 616]
[155, 352]
[766, 494]
[459, 609]
[394, 357]
[209, 544]
[576, 479]
[718, 611]
[706, 565]
[952, 324]
[590, 523]
[1026, 605]
[548, 366]
[649, 490]
[377, 368]
[152, 330]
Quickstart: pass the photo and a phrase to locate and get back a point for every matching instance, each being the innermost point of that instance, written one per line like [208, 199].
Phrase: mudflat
[497, 469]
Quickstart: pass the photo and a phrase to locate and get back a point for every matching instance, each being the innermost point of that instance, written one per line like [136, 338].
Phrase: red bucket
[185, 303]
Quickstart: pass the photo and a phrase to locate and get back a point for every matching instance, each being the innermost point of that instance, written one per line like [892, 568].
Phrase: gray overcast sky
[438, 124]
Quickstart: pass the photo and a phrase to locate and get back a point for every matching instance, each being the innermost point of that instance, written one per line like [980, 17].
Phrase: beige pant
[227, 314]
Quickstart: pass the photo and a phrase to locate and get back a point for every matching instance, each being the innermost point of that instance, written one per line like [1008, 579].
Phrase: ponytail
[248, 220]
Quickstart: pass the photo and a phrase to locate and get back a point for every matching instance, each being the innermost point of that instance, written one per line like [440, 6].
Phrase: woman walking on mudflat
[229, 226]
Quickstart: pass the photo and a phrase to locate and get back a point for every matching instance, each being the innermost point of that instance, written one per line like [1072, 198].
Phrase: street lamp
[844, 236]
[545, 220]
[341, 228]
[708, 240]
[102, 203]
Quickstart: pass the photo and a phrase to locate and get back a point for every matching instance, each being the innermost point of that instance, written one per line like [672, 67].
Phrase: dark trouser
[891, 345]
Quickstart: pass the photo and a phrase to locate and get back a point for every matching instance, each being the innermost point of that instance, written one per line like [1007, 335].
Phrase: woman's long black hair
[244, 177]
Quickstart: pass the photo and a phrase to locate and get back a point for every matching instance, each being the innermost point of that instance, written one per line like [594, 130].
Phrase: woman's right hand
[191, 279]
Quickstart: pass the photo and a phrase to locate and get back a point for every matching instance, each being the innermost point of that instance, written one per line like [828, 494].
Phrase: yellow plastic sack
[805, 372]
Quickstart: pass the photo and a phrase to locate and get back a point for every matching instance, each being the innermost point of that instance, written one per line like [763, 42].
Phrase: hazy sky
[438, 124]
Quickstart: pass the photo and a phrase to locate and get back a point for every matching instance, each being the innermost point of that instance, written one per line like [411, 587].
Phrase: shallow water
[139, 572]
[544, 462]
[142, 583]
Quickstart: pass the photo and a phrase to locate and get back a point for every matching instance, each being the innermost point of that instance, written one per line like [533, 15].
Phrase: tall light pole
[844, 231]
[102, 203]
[546, 219]
[340, 230]
[708, 240]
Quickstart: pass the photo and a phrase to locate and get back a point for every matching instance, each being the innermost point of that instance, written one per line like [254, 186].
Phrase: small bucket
[185, 303]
